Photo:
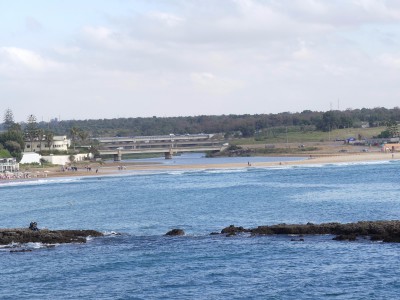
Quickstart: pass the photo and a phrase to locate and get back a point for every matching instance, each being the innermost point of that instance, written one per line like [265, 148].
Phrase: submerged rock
[22, 235]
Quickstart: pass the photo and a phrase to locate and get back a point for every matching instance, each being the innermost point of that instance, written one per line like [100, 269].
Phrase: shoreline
[112, 168]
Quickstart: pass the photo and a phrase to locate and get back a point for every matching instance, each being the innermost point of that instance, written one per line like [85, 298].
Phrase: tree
[40, 135]
[83, 135]
[14, 148]
[31, 129]
[15, 136]
[8, 119]
[74, 131]
[392, 128]
[49, 136]
[71, 158]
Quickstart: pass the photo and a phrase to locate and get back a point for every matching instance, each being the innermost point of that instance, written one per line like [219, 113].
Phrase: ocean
[143, 263]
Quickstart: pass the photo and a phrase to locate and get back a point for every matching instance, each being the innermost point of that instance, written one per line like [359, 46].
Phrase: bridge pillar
[118, 156]
[168, 155]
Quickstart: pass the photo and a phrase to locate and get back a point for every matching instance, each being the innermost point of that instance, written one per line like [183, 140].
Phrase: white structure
[30, 158]
[63, 160]
[9, 165]
[60, 143]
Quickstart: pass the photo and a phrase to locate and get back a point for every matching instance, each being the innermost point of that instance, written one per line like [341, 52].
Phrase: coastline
[112, 168]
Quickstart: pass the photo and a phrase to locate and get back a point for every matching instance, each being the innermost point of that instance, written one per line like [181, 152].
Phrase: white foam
[35, 245]
[230, 170]
[38, 182]
[29, 246]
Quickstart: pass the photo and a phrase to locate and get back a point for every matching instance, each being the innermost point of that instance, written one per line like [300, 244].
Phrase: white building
[60, 143]
[9, 165]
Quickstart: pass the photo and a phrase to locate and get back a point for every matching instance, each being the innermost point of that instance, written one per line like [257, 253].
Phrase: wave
[111, 233]
[38, 181]
[27, 247]
[180, 172]
[324, 165]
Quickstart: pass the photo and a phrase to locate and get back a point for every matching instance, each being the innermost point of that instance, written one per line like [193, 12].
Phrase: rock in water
[22, 235]
[386, 231]
[175, 232]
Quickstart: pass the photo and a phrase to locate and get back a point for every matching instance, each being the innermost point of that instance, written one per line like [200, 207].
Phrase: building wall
[60, 143]
[30, 157]
[63, 160]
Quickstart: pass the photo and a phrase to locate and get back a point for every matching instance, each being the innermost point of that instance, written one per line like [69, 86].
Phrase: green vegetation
[4, 153]
[243, 126]
[296, 135]
[262, 129]
[12, 140]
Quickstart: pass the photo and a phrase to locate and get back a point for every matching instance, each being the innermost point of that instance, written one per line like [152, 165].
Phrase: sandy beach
[109, 168]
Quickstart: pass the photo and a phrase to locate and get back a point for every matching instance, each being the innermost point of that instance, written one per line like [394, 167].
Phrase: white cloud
[18, 58]
[166, 19]
[390, 60]
[231, 56]
[209, 83]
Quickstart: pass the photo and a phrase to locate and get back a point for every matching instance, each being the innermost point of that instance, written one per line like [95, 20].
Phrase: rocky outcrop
[22, 235]
[233, 230]
[175, 232]
[387, 231]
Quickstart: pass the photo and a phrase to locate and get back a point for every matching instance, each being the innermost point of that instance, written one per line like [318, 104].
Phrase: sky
[102, 59]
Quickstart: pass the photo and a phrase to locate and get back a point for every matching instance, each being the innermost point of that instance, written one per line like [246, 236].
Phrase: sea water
[142, 263]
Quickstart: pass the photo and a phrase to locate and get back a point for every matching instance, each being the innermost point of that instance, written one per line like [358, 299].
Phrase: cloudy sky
[137, 58]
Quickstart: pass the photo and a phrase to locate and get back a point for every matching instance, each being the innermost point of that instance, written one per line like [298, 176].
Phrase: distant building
[60, 143]
[9, 165]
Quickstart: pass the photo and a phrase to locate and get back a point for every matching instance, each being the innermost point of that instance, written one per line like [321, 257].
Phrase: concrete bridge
[167, 144]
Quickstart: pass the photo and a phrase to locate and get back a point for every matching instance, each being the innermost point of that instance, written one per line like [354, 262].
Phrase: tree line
[14, 135]
[246, 125]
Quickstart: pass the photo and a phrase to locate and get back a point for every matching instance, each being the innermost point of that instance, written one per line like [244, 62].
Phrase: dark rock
[299, 240]
[233, 229]
[387, 231]
[175, 232]
[45, 236]
[21, 250]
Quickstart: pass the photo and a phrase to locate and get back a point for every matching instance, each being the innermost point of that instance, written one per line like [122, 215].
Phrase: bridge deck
[168, 145]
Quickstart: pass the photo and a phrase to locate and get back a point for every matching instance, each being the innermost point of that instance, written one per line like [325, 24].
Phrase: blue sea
[143, 263]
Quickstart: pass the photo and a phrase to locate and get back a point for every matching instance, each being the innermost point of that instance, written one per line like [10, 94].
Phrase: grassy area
[294, 135]
[4, 153]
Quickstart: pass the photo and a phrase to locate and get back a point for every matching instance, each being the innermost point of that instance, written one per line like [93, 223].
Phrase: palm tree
[49, 136]
[40, 135]
[83, 135]
[74, 131]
